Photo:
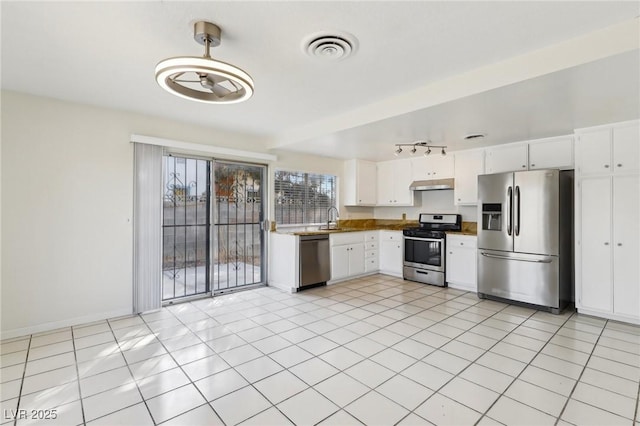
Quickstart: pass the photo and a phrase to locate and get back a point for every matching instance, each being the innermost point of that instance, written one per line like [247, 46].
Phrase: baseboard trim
[49, 326]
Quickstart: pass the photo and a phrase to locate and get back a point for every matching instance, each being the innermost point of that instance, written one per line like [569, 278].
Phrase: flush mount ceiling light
[204, 79]
[472, 136]
[420, 144]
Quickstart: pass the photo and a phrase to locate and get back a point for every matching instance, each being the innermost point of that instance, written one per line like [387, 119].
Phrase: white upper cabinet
[394, 178]
[551, 153]
[434, 166]
[507, 158]
[468, 165]
[359, 183]
[608, 149]
[593, 152]
[626, 152]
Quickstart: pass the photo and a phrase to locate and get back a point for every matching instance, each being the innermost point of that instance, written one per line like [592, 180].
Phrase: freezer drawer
[520, 277]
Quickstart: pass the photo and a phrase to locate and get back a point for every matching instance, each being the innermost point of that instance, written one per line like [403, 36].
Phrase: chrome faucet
[329, 215]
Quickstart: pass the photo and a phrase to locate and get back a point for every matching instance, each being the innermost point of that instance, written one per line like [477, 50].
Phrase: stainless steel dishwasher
[315, 263]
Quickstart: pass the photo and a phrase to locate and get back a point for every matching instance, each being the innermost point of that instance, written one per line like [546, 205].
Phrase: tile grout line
[575, 385]
[526, 366]
[24, 373]
[178, 366]
[355, 320]
[207, 402]
[75, 358]
[132, 376]
[409, 337]
[470, 363]
[633, 417]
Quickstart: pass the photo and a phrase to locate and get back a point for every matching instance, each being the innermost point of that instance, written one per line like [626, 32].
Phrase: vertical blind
[303, 198]
[147, 230]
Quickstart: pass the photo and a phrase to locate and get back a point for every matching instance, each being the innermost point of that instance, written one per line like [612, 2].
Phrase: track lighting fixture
[420, 144]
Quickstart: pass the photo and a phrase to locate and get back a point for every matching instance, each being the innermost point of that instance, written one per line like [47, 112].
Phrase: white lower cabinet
[371, 252]
[347, 261]
[461, 262]
[391, 253]
[626, 246]
[347, 255]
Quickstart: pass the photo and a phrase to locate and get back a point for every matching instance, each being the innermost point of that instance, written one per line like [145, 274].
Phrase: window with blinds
[303, 198]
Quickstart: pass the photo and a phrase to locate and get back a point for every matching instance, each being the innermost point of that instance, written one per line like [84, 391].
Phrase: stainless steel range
[424, 248]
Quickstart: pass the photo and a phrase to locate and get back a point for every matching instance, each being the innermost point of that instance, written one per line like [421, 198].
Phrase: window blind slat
[303, 198]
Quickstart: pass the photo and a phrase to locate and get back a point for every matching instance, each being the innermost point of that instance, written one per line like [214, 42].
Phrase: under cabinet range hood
[431, 184]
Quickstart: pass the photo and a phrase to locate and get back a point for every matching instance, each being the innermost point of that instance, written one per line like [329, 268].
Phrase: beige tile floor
[375, 351]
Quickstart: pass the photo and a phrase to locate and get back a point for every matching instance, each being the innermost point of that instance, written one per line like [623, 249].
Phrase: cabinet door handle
[606, 166]
[461, 244]
[524, 166]
[450, 252]
[619, 165]
[606, 244]
[533, 165]
[619, 244]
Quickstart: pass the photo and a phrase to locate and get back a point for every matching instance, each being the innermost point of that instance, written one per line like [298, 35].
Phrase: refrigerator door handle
[516, 213]
[509, 204]
[495, 256]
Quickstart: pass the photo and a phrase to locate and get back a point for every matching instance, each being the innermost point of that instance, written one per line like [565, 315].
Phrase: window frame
[333, 201]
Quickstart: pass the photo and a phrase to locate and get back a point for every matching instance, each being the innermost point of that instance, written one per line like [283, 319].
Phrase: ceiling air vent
[330, 46]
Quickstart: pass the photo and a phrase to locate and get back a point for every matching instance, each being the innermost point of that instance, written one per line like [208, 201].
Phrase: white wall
[428, 202]
[67, 202]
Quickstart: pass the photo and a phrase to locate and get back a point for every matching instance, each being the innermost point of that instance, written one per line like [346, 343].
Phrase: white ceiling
[104, 53]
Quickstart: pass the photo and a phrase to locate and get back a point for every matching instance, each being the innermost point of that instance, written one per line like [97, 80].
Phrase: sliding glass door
[239, 236]
[186, 229]
[213, 237]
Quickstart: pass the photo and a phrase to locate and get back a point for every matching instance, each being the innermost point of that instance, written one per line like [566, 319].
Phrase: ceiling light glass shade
[204, 79]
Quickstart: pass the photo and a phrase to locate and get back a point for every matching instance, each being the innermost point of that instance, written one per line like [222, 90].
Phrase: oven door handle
[519, 259]
[423, 239]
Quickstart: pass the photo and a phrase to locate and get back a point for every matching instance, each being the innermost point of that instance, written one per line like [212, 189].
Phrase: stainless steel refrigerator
[525, 237]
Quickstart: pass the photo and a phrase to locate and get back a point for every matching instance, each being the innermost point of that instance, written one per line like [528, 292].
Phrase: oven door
[425, 253]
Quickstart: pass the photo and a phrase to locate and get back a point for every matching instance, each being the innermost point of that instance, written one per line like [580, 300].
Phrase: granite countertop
[358, 225]
[469, 233]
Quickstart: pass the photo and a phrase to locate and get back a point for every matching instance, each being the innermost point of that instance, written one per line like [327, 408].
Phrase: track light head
[398, 151]
[444, 152]
[413, 150]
